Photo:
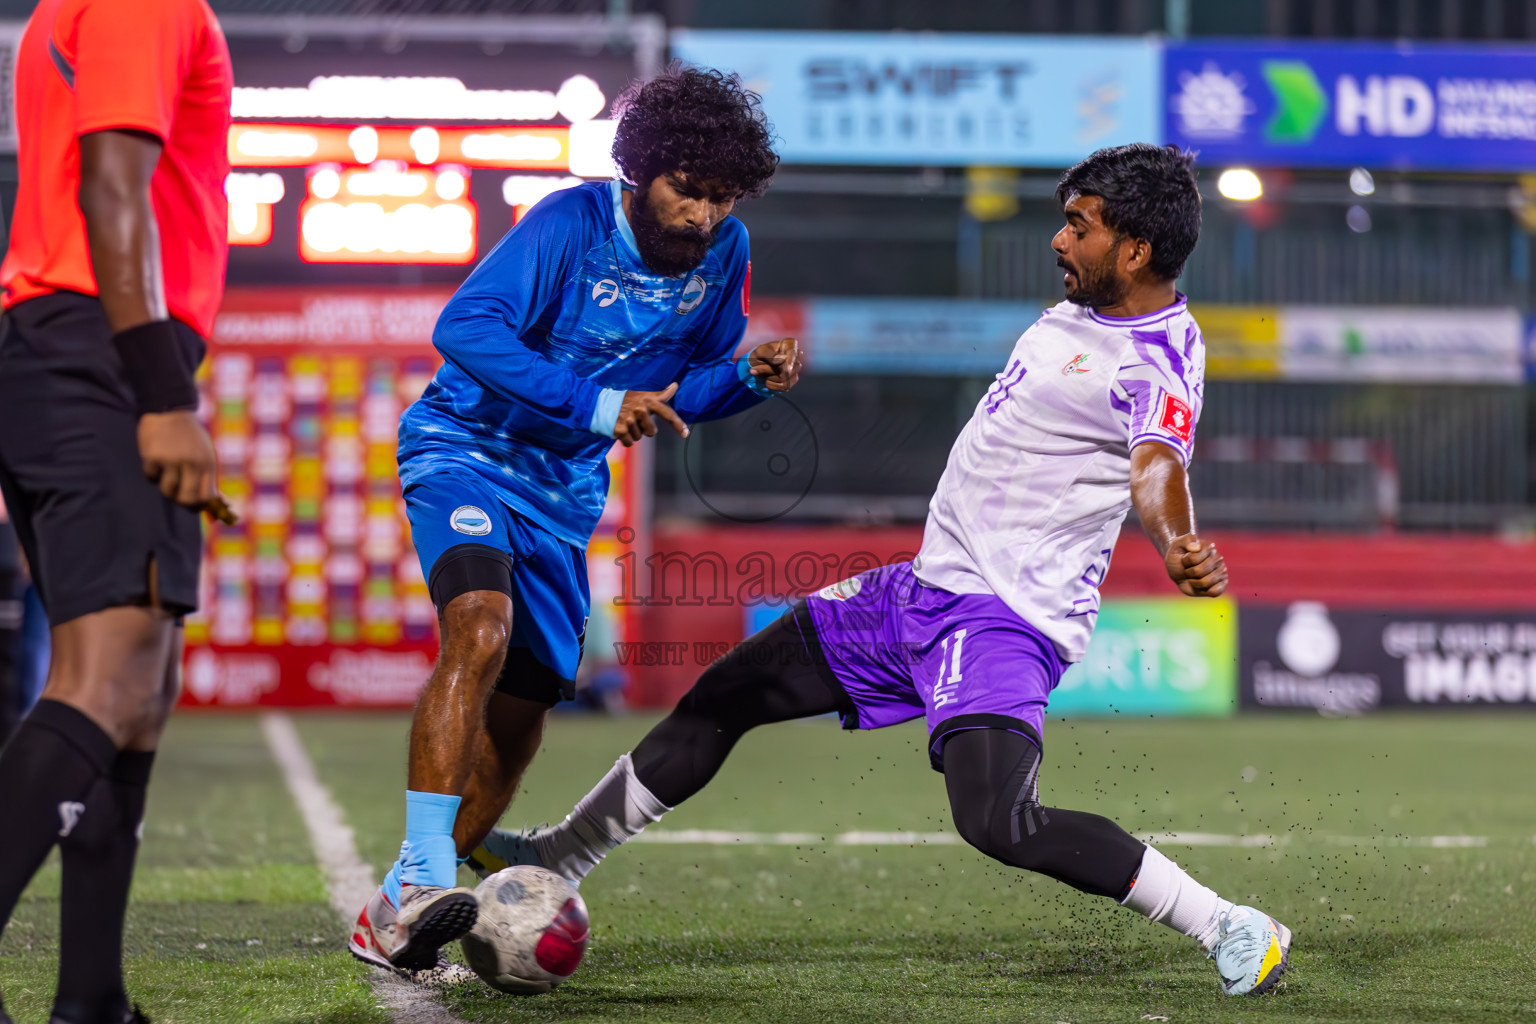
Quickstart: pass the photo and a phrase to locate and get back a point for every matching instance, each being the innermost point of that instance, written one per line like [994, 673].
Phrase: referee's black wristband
[155, 367]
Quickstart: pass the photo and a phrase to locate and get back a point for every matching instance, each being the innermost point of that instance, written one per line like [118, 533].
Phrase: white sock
[1168, 895]
[616, 810]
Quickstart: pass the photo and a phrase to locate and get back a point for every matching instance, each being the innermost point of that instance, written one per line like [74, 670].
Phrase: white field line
[722, 837]
[349, 878]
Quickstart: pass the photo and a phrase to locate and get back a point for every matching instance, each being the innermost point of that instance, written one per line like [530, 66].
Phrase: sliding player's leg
[775, 676]
[992, 775]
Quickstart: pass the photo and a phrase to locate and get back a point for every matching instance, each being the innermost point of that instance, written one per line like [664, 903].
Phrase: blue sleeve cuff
[605, 414]
[744, 371]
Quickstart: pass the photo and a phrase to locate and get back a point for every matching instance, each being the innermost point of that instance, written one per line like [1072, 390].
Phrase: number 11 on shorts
[946, 690]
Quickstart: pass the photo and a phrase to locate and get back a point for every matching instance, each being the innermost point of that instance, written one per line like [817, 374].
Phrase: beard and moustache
[669, 251]
[1097, 283]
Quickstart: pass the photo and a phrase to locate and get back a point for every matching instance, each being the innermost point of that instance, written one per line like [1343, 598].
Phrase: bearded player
[609, 310]
[1094, 414]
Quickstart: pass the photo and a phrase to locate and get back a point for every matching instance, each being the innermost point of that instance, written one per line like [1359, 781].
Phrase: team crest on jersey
[693, 294]
[1177, 418]
[842, 590]
[1077, 364]
[605, 292]
[470, 520]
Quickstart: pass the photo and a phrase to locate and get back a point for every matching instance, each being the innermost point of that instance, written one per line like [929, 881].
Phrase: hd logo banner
[941, 99]
[1391, 106]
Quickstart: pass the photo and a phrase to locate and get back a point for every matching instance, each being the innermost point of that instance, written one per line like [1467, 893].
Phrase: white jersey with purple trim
[1038, 482]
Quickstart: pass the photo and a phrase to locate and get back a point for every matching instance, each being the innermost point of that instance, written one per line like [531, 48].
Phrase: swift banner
[1321, 105]
[941, 99]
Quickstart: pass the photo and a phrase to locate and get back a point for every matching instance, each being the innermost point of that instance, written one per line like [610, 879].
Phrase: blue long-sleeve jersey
[554, 324]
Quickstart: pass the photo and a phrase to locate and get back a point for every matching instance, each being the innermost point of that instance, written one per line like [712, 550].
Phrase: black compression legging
[991, 777]
[771, 677]
[990, 773]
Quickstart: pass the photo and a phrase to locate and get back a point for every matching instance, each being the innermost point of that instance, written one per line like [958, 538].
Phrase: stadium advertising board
[941, 99]
[1401, 344]
[1348, 661]
[1385, 105]
[1159, 656]
[897, 336]
[914, 336]
[316, 596]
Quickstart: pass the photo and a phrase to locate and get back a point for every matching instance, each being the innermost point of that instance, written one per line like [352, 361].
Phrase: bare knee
[118, 667]
[476, 628]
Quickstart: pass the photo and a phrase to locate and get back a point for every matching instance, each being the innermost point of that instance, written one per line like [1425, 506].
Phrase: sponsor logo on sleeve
[842, 590]
[1176, 418]
[468, 519]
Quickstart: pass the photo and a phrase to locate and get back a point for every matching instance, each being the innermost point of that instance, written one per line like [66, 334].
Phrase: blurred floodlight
[325, 183]
[241, 187]
[580, 99]
[1240, 183]
[1361, 183]
[528, 189]
[365, 144]
[426, 145]
[451, 185]
[1359, 219]
[591, 149]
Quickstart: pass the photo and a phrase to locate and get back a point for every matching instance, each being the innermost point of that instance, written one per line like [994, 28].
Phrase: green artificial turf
[1387, 928]
[229, 919]
[825, 932]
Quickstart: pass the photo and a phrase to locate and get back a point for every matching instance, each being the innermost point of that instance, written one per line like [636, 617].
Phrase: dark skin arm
[115, 172]
[1160, 492]
[776, 363]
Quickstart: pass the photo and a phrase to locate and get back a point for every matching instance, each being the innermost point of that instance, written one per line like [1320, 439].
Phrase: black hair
[699, 121]
[1149, 192]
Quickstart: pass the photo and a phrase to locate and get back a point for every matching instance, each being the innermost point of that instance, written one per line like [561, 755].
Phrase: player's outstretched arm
[639, 411]
[1160, 492]
[776, 364]
[115, 172]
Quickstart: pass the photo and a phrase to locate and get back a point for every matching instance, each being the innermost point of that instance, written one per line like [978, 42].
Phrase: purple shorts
[901, 649]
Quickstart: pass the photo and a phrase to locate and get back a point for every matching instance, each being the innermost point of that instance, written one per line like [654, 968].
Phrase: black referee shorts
[89, 521]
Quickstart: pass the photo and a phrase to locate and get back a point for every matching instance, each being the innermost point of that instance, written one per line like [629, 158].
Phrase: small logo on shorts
[841, 591]
[69, 815]
[470, 520]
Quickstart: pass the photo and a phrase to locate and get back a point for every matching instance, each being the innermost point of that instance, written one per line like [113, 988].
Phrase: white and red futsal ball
[531, 933]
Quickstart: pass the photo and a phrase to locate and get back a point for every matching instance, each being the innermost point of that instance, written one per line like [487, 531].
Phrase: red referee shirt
[156, 66]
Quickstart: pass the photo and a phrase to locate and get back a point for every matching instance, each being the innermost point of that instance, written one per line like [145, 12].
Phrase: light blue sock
[428, 855]
[392, 881]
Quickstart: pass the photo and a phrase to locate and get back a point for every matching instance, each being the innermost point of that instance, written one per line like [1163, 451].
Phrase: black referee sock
[47, 776]
[98, 870]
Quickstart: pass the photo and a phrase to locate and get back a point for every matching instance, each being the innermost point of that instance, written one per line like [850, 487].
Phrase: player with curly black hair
[688, 134]
[609, 308]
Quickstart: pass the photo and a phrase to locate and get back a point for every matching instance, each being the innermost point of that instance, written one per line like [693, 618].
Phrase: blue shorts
[456, 512]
